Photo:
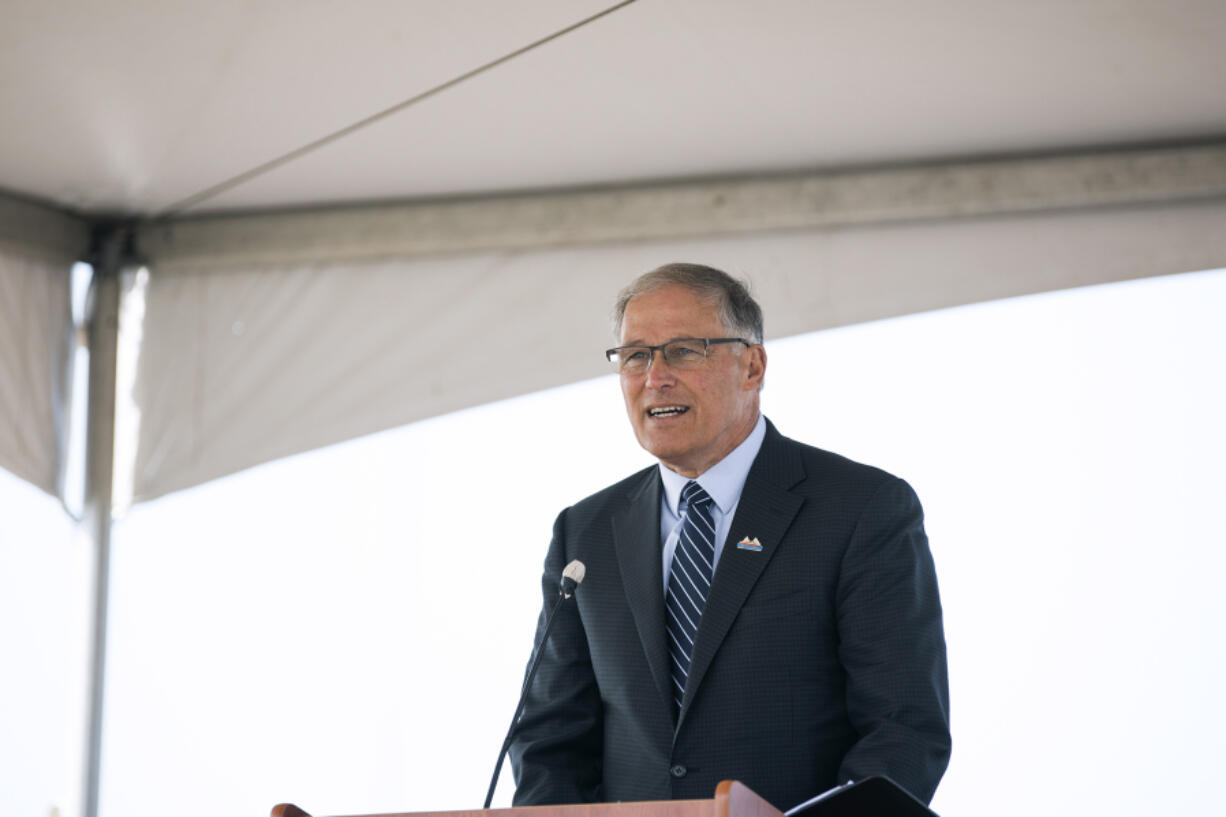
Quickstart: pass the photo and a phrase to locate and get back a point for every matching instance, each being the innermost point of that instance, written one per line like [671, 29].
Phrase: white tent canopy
[270, 331]
[37, 246]
[137, 105]
[249, 359]
[264, 335]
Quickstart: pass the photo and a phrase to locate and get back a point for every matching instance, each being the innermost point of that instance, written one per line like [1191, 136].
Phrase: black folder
[872, 797]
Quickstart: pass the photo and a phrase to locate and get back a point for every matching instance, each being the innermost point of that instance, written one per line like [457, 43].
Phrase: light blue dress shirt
[723, 481]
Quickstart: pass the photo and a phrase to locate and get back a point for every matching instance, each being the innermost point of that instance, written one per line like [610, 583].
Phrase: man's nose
[659, 372]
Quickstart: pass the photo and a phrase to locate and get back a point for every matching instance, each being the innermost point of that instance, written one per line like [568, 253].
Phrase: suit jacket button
[678, 771]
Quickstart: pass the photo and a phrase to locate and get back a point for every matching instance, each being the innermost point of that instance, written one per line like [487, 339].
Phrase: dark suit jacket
[819, 659]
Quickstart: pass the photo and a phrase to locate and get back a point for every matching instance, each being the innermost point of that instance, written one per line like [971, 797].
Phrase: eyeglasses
[683, 353]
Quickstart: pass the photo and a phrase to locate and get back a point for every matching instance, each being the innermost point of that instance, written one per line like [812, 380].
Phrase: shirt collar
[723, 481]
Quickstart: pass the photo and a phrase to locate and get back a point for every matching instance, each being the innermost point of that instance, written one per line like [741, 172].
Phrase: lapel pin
[749, 544]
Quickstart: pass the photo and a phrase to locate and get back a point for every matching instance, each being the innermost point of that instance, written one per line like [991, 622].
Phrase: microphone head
[572, 575]
[575, 571]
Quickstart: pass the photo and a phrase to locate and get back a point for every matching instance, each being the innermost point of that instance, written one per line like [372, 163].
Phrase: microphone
[572, 576]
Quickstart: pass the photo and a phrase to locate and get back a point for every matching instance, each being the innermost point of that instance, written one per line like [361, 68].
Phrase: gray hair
[738, 311]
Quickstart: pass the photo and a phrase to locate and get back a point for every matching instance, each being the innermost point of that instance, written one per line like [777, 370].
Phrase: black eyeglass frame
[707, 343]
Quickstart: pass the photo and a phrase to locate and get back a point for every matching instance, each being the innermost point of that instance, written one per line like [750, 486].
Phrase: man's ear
[755, 369]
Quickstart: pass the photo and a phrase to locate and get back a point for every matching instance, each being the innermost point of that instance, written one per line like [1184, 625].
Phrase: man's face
[718, 401]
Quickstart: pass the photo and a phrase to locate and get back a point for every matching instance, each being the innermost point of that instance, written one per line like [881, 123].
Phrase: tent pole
[103, 330]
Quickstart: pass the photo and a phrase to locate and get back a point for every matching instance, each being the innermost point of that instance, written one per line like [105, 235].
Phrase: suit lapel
[636, 538]
[765, 511]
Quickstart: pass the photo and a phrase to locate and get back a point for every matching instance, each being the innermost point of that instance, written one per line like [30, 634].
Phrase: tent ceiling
[856, 160]
[133, 105]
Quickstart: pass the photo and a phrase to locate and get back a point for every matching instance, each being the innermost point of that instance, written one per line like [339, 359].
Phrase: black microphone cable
[572, 575]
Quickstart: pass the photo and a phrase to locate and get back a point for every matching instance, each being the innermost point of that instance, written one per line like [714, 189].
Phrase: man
[777, 623]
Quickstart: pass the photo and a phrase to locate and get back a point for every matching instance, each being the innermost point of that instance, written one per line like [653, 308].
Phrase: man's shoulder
[818, 467]
[829, 460]
[630, 489]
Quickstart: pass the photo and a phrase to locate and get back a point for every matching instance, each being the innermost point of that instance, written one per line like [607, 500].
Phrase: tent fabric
[666, 211]
[246, 364]
[36, 342]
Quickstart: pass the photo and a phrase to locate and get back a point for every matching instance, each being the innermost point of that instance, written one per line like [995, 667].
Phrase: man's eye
[636, 356]
[684, 350]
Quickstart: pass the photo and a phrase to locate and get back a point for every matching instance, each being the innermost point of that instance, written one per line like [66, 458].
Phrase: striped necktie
[689, 580]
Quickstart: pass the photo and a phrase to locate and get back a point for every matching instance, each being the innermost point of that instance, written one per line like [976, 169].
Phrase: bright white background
[42, 648]
[347, 629]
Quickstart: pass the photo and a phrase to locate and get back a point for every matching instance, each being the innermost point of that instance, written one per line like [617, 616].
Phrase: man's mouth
[667, 411]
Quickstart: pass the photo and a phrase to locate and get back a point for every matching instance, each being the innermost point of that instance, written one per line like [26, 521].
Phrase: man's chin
[659, 452]
[661, 443]
[672, 455]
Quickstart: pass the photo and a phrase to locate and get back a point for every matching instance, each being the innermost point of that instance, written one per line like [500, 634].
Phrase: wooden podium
[732, 799]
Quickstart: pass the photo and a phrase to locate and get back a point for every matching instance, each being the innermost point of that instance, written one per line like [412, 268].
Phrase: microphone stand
[523, 696]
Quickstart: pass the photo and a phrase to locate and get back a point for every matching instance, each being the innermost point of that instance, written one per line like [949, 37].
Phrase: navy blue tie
[689, 581]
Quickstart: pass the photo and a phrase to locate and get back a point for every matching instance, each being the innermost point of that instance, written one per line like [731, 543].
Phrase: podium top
[732, 799]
